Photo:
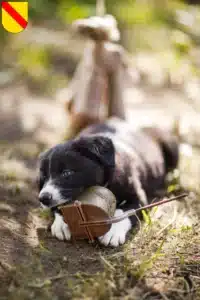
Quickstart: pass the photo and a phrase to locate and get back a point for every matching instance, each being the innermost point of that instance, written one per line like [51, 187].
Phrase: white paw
[60, 229]
[117, 234]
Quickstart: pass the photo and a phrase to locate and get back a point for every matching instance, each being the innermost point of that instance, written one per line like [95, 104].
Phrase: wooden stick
[131, 212]
[82, 216]
[100, 8]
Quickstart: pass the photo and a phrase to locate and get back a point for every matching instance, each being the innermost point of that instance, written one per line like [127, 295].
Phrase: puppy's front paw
[113, 237]
[60, 229]
[117, 234]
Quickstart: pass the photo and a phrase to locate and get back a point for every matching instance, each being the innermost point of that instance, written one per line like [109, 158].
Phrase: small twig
[49, 279]
[131, 212]
[107, 263]
[195, 276]
[139, 222]
[163, 296]
[181, 291]
[116, 255]
[162, 202]
[144, 297]
[169, 224]
[5, 266]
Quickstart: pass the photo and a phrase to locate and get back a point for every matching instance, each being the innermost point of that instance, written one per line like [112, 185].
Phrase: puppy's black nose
[45, 198]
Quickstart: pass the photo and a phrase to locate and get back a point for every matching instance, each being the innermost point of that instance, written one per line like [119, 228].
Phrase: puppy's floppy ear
[99, 149]
[42, 159]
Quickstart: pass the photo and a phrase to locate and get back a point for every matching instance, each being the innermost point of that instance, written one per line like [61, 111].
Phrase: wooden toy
[92, 214]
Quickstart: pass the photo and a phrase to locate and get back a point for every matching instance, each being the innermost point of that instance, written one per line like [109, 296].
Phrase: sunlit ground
[161, 259]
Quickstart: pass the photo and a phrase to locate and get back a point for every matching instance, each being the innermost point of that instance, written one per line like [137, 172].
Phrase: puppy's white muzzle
[50, 195]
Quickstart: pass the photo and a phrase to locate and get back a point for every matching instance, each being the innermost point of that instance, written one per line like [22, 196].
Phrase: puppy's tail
[169, 144]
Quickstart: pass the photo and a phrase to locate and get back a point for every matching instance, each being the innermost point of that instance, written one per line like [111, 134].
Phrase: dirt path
[32, 264]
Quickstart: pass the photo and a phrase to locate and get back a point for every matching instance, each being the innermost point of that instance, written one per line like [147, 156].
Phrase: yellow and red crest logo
[14, 16]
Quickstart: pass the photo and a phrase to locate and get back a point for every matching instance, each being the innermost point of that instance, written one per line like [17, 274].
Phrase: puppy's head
[67, 169]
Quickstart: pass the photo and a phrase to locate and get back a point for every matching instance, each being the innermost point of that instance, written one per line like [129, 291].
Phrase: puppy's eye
[67, 173]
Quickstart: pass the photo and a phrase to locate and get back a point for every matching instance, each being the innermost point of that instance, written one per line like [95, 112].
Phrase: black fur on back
[142, 160]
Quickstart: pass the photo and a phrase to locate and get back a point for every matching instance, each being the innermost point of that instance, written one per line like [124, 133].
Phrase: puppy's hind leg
[139, 191]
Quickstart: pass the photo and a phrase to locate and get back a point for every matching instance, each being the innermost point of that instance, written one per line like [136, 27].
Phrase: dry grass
[161, 259]
[156, 263]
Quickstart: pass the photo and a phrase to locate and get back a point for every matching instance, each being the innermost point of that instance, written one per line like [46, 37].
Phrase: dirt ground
[162, 257]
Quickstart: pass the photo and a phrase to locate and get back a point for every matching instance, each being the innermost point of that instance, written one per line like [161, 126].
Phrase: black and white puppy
[133, 165]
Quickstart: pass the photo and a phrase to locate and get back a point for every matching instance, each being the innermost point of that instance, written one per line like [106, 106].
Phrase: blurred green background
[45, 54]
